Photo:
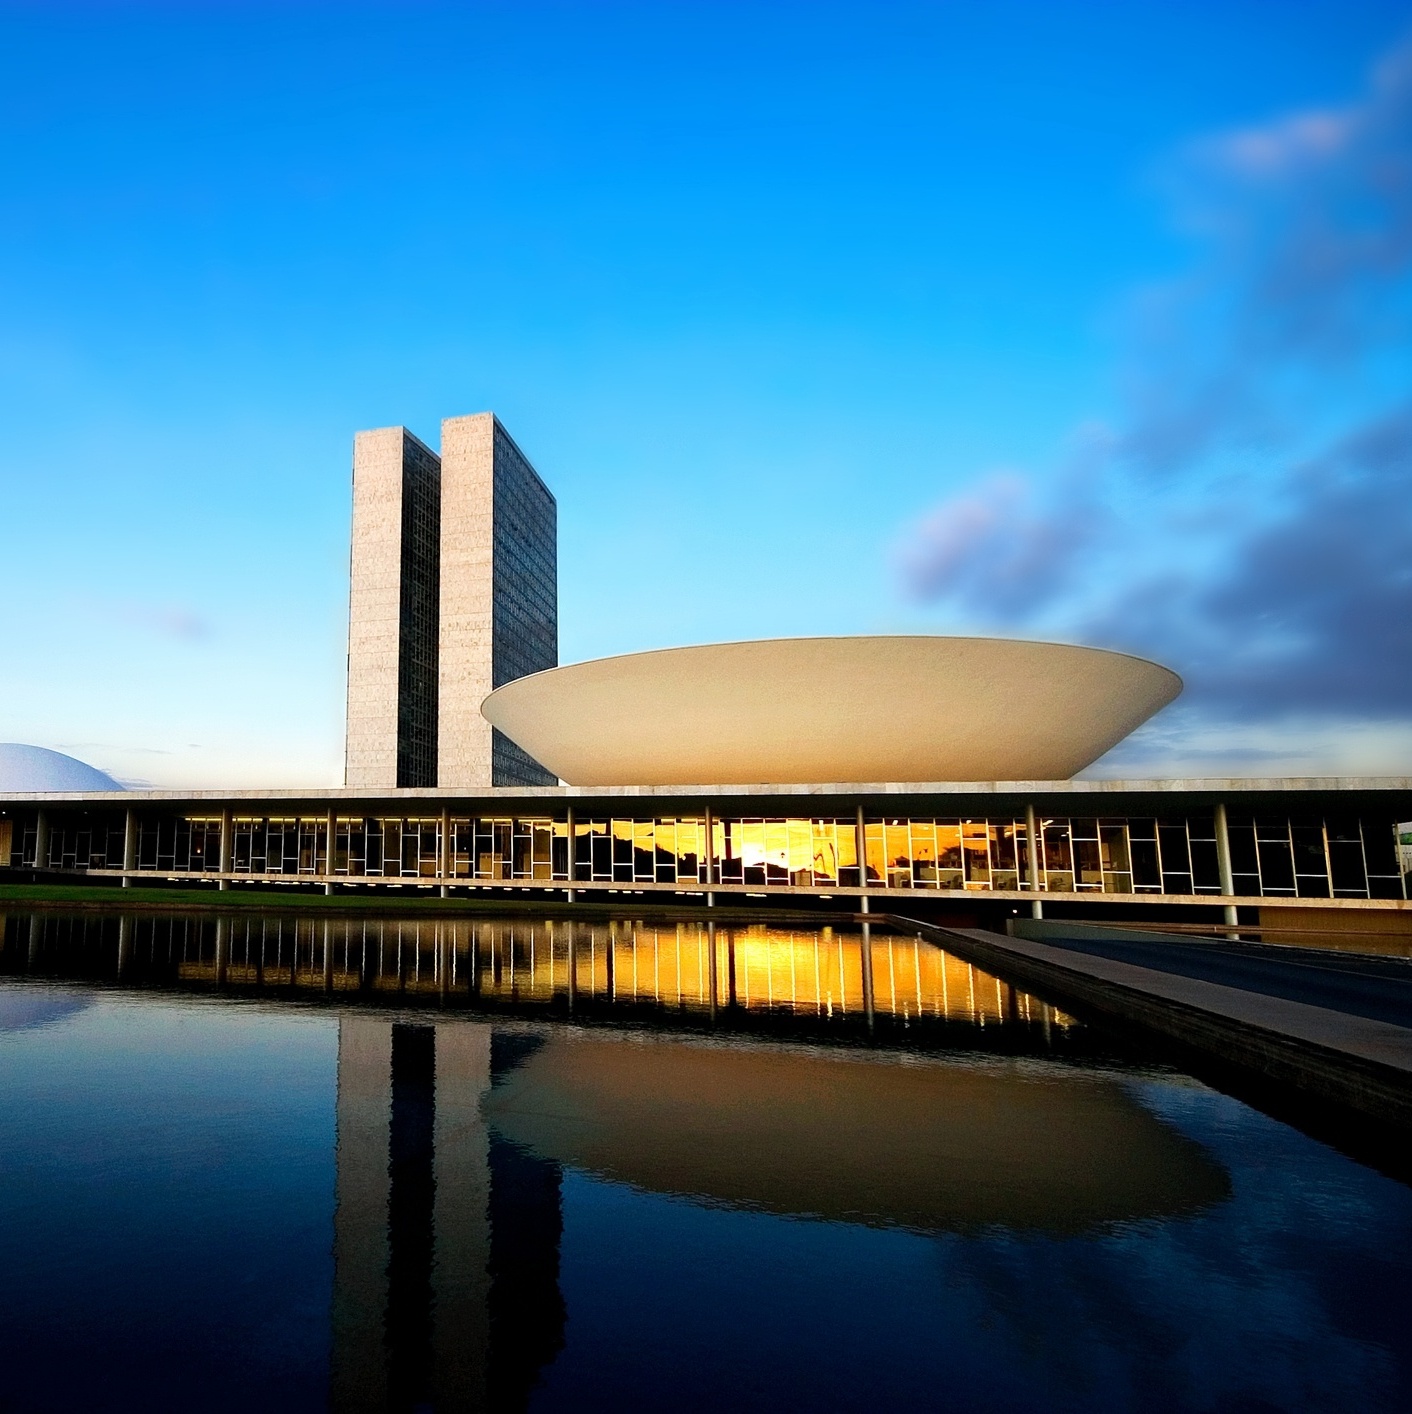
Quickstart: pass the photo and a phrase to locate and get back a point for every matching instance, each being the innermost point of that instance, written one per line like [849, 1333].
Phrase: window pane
[1276, 867]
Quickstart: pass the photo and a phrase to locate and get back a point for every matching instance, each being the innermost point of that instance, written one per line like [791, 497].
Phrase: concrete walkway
[1363, 1062]
[1378, 988]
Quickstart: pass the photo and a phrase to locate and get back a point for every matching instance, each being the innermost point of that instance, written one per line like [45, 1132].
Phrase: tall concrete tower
[393, 612]
[499, 596]
[454, 593]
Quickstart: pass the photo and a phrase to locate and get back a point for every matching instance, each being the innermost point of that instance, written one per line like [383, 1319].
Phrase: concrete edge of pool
[1348, 1061]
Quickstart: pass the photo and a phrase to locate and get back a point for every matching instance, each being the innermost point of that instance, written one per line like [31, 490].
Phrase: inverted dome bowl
[831, 710]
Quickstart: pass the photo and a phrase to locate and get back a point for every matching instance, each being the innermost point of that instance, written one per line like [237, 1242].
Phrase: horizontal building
[980, 848]
[462, 728]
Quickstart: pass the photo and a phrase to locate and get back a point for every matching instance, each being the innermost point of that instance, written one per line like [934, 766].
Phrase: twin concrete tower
[454, 593]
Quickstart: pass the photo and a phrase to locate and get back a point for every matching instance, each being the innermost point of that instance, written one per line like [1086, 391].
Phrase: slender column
[1032, 837]
[1223, 862]
[330, 848]
[444, 859]
[129, 847]
[710, 859]
[223, 859]
[862, 847]
[41, 840]
[573, 852]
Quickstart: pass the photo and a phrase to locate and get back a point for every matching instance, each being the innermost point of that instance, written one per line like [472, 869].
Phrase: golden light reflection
[687, 966]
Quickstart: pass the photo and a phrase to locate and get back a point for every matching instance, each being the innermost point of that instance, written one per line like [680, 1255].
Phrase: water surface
[522, 1165]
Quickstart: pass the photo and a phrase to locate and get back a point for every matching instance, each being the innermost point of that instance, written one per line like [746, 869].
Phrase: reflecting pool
[518, 1165]
[829, 979]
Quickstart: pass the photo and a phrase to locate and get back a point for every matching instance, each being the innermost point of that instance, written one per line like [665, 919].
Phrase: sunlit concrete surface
[1352, 1058]
[832, 709]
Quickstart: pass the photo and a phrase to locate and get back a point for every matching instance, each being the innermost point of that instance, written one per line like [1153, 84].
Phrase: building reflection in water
[453, 1138]
[446, 1235]
[828, 975]
[455, 1131]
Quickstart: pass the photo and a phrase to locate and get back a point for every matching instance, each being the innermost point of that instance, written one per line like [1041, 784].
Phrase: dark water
[257, 1164]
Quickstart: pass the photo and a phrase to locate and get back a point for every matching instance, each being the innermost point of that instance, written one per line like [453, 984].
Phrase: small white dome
[34, 768]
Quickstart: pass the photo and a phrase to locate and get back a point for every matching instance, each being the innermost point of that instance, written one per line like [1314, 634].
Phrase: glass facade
[525, 598]
[1272, 856]
[419, 627]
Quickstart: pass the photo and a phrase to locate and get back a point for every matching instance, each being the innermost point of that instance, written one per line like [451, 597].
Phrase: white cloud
[1250, 518]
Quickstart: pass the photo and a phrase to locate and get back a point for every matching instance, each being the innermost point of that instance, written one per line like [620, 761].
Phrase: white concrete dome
[35, 768]
[831, 711]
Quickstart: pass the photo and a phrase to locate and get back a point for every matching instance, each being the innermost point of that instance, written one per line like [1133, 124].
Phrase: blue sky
[1084, 320]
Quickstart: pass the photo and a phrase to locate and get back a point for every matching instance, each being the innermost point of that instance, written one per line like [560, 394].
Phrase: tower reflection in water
[475, 1144]
[454, 1140]
[446, 1236]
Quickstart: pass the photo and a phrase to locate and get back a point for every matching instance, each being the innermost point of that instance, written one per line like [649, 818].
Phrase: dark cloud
[1250, 519]
[1312, 614]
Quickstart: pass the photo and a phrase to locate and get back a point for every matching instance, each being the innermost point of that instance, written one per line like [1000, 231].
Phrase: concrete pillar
[862, 847]
[41, 840]
[129, 846]
[330, 849]
[710, 859]
[1033, 842]
[573, 846]
[227, 849]
[1223, 862]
